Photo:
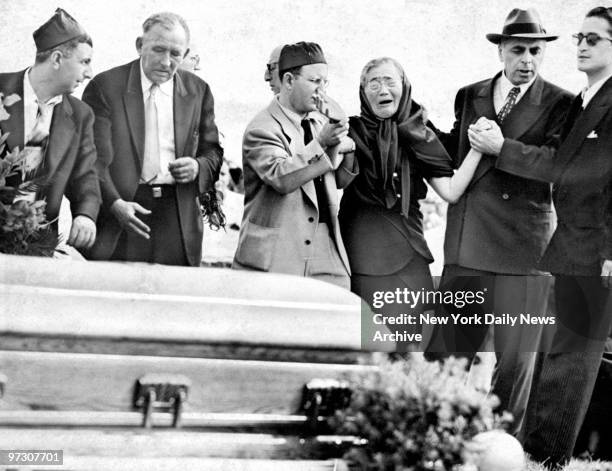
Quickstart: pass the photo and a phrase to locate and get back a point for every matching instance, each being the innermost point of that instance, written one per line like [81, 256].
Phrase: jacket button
[307, 242]
[310, 219]
[505, 196]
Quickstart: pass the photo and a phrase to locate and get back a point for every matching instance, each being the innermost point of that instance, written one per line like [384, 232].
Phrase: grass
[575, 465]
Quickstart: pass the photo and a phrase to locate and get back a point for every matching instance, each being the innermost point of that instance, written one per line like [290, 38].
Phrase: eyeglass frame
[389, 82]
[319, 83]
[578, 37]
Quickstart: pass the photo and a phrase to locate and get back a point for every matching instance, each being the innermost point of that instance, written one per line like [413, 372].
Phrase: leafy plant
[415, 415]
[24, 229]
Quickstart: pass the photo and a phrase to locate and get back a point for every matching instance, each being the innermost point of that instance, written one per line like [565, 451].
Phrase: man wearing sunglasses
[501, 225]
[580, 252]
[291, 159]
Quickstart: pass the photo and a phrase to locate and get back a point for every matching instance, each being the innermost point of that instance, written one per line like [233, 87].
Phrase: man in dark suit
[499, 228]
[56, 127]
[580, 251]
[158, 150]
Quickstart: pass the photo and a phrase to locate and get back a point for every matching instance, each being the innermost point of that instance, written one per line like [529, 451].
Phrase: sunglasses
[591, 38]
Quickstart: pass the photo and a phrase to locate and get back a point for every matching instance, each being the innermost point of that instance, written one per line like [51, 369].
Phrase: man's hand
[486, 137]
[184, 169]
[606, 273]
[330, 134]
[347, 145]
[82, 233]
[125, 212]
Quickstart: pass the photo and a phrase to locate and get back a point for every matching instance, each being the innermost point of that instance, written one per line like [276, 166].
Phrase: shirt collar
[506, 85]
[167, 88]
[589, 92]
[292, 115]
[29, 95]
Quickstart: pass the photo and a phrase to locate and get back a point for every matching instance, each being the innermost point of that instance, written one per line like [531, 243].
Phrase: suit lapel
[483, 100]
[526, 112]
[184, 109]
[522, 117]
[586, 122]
[293, 135]
[14, 125]
[61, 135]
[134, 110]
[483, 106]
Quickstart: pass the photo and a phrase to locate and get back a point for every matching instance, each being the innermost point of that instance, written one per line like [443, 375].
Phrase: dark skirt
[413, 277]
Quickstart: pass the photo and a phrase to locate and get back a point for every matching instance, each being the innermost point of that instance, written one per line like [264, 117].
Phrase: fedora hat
[524, 24]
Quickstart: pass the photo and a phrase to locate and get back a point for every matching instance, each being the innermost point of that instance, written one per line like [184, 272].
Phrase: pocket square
[592, 135]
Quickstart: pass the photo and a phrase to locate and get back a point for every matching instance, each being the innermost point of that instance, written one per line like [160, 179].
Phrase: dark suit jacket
[70, 155]
[503, 222]
[116, 98]
[581, 170]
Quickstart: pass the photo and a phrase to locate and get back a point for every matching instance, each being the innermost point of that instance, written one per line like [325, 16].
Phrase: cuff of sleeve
[314, 148]
[89, 210]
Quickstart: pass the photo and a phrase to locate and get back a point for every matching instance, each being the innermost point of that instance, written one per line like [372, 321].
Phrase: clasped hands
[485, 136]
[333, 137]
[183, 170]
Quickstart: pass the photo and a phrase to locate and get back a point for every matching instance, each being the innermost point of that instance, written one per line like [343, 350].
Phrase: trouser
[561, 397]
[165, 244]
[515, 345]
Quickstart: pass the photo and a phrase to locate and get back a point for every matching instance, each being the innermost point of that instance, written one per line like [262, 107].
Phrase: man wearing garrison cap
[56, 127]
[499, 228]
[292, 163]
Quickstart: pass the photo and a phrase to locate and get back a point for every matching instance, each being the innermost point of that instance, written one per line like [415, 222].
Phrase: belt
[159, 191]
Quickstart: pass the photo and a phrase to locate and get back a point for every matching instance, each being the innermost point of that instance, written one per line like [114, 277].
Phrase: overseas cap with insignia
[298, 54]
[60, 28]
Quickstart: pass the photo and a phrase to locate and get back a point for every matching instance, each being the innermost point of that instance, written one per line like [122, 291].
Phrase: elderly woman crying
[380, 219]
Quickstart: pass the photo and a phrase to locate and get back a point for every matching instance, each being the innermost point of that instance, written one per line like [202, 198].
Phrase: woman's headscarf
[381, 139]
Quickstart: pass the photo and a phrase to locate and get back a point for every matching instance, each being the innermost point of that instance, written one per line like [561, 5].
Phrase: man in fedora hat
[580, 251]
[501, 225]
[290, 155]
[56, 127]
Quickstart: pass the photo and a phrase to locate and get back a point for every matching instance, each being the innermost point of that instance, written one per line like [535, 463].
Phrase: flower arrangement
[24, 229]
[415, 415]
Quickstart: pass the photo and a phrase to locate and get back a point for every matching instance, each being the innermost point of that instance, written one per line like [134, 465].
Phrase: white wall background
[440, 43]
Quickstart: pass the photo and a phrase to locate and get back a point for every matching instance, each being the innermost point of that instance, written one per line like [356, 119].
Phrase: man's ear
[186, 52]
[56, 58]
[139, 44]
[289, 78]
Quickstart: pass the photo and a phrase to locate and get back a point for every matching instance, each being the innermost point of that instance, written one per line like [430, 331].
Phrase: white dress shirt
[164, 101]
[501, 89]
[30, 108]
[589, 92]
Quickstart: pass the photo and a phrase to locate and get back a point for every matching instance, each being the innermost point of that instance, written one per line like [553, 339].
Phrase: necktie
[40, 131]
[324, 215]
[510, 102]
[150, 164]
[37, 141]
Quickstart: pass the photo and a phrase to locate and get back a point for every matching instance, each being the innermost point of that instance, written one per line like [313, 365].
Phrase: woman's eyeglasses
[375, 83]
